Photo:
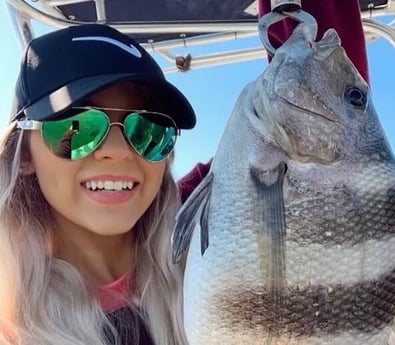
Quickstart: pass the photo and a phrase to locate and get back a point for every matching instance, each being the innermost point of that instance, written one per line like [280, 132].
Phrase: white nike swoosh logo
[131, 49]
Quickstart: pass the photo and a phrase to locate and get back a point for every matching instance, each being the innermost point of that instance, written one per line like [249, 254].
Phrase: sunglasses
[151, 134]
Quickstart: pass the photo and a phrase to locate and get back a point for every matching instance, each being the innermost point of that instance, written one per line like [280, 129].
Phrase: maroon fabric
[188, 183]
[342, 15]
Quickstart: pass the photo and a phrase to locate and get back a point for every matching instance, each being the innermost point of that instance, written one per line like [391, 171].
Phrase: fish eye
[355, 96]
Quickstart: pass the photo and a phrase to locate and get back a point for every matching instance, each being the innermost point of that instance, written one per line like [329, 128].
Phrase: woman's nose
[114, 146]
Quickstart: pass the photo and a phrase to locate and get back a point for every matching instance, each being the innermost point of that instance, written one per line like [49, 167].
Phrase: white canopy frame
[22, 12]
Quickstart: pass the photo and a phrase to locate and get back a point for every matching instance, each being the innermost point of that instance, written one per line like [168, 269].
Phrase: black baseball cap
[63, 67]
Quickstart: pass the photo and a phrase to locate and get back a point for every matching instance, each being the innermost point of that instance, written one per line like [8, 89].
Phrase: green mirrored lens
[77, 136]
[152, 135]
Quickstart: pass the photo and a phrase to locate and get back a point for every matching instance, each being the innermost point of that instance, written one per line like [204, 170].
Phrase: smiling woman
[87, 192]
[87, 198]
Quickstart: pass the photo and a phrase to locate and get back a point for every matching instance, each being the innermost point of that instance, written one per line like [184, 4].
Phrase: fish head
[315, 104]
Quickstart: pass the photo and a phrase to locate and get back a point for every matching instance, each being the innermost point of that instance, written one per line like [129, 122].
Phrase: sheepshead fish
[290, 238]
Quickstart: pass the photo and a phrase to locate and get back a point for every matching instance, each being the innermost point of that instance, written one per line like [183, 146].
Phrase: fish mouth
[309, 135]
[328, 116]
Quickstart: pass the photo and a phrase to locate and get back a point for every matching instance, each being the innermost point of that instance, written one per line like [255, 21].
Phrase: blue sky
[214, 90]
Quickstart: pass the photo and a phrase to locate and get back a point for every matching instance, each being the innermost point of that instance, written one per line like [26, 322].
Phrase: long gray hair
[44, 300]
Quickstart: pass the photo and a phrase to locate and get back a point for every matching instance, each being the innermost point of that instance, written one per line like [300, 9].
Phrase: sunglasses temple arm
[28, 124]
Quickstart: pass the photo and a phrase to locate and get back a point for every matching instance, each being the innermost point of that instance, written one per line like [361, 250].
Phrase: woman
[85, 174]
[88, 200]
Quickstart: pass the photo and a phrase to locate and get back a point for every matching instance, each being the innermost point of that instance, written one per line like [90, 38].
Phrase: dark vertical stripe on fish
[331, 218]
[313, 311]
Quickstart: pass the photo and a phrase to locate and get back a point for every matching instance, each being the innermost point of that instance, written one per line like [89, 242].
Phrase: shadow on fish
[290, 239]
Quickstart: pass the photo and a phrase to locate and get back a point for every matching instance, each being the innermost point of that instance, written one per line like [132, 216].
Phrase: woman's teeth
[109, 185]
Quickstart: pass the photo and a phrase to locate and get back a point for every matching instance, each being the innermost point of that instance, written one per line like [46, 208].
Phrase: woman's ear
[26, 167]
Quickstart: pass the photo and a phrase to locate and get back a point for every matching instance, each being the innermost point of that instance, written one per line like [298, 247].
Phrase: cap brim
[49, 107]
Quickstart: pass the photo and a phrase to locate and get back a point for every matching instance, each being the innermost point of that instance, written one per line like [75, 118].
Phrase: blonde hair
[44, 300]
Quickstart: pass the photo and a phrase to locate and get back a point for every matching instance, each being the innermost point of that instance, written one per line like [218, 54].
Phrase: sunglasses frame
[28, 124]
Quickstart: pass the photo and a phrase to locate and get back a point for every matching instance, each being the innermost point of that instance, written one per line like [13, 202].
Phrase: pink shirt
[113, 295]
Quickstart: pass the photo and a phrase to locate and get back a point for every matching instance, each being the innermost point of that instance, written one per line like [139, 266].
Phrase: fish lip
[293, 105]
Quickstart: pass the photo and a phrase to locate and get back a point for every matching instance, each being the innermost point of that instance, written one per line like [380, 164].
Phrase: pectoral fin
[269, 184]
[195, 209]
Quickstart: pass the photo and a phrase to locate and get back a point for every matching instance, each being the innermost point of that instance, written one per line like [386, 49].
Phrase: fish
[290, 237]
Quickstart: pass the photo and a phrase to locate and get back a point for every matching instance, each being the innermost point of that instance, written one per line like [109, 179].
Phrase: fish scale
[290, 238]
